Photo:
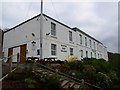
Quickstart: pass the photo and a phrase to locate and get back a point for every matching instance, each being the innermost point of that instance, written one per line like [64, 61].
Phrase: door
[10, 53]
[16, 50]
[23, 53]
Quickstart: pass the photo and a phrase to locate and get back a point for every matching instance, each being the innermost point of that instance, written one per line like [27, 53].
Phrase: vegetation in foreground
[95, 71]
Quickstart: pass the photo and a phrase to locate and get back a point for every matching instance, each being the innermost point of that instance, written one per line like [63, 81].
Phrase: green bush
[103, 80]
[74, 65]
[100, 65]
[75, 74]
[52, 82]
[89, 72]
[30, 81]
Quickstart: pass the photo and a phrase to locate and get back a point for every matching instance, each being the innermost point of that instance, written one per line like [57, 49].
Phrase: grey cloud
[100, 21]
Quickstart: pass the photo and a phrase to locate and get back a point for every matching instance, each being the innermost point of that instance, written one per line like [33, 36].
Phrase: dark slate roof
[74, 29]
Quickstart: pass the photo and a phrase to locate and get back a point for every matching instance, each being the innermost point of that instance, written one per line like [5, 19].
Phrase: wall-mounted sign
[63, 48]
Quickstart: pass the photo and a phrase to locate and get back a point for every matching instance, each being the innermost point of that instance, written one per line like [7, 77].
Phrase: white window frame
[86, 54]
[81, 51]
[70, 36]
[80, 39]
[53, 29]
[71, 51]
[90, 43]
[85, 41]
[53, 49]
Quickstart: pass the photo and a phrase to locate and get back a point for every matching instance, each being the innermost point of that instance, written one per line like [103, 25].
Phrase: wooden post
[2, 57]
[83, 84]
[10, 63]
[17, 60]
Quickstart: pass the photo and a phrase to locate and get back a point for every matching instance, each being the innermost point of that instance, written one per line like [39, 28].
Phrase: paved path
[5, 68]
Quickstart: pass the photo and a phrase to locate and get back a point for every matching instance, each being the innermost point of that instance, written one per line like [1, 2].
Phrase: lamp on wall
[47, 34]
[33, 42]
[33, 45]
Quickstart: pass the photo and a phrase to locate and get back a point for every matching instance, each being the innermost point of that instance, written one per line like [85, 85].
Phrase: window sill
[71, 42]
[53, 36]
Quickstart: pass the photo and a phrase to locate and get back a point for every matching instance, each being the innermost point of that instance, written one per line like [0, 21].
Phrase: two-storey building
[58, 40]
[1, 42]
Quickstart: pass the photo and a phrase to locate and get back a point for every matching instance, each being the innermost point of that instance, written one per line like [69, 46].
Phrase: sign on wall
[63, 48]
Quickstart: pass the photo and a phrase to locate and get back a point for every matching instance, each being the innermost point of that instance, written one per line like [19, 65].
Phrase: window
[90, 43]
[98, 55]
[38, 51]
[95, 55]
[81, 53]
[97, 46]
[85, 41]
[53, 49]
[71, 51]
[86, 54]
[70, 36]
[91, 54]
[94, 45]
[80, 39]
[53, 29]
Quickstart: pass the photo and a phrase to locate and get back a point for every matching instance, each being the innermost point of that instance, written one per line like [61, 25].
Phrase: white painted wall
[23, 35]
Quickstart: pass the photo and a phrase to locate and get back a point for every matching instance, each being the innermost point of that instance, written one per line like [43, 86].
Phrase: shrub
[74, 65]
[63, 68]
[103, 80]
[71, 59]
[89, 72]
[75, 74]
[30, 81]
[52, 82]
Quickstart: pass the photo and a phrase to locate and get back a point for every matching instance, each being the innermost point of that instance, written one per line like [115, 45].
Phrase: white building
[58, 40]
[1, 42]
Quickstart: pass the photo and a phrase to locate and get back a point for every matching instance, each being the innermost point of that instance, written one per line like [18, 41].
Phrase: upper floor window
[70, 36]
[94, 45]
[71, 51]
[80, 39]
[53, 49]
[53, 29]
[90, 43]
[85, 41]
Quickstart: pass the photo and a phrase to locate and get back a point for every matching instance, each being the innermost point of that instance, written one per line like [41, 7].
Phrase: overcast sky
[98, 19]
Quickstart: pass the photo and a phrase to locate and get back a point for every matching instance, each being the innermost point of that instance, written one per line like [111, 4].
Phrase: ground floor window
[91, 54]
[86, 54]
[71, 51]
[38, 51]
[81, 51]
[53, 49]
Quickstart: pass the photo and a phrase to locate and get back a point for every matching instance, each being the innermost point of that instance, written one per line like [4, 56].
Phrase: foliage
[30, 81]
[74, 65]
[63, 68]
[96, 71]
[103, 80]
[75, 74]
[71, 58]
[88, 72]
[52, 82]
[99, 64]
